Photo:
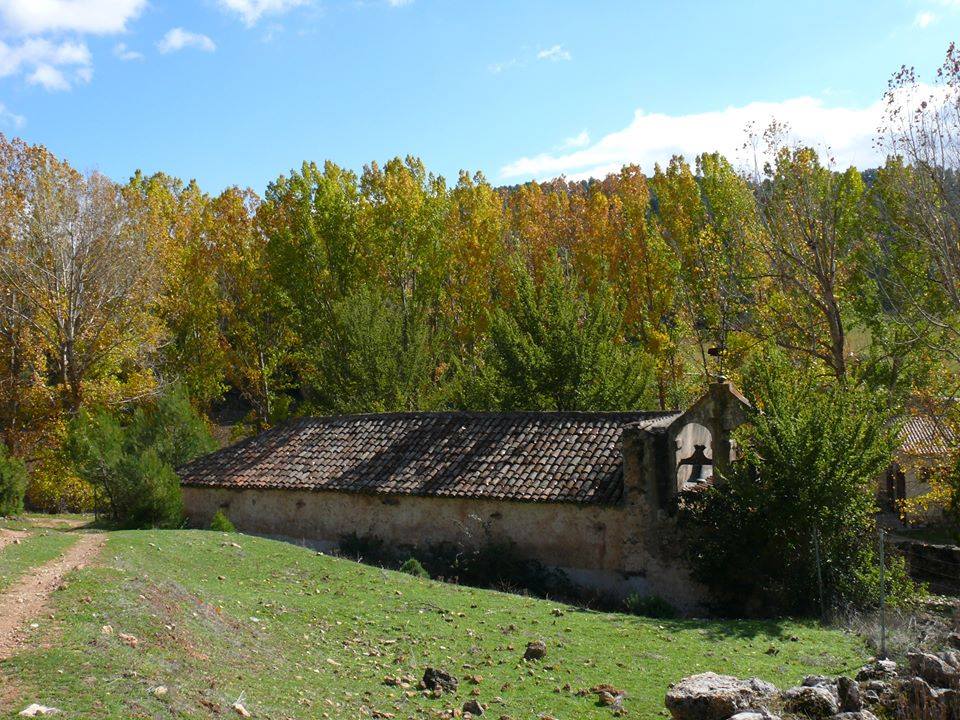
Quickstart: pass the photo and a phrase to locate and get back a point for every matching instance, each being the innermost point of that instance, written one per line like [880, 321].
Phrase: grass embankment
[297, 635]
[33, 550]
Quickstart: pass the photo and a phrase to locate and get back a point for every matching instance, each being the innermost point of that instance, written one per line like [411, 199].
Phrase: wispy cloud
[554, 54]
[11, 119]
[179, 39]
[250, 11]
[499, 67]
[98, 17]
[399, 3]
[654, 137]
[126, 54]
[924, 19]
[581, 139]
[53, 66]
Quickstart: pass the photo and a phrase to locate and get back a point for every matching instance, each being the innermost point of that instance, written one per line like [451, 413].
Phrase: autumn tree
[24, 402]
[815, 225]
[710, 223]
[78, 272]
[176, 219]
[475, 253]
[921, 129]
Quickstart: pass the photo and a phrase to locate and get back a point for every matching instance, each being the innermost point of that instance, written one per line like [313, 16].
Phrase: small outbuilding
[586, 492]
[926, 444]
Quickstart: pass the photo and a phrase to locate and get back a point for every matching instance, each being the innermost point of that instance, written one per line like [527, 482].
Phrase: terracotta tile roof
[539, 457]
[926, 435]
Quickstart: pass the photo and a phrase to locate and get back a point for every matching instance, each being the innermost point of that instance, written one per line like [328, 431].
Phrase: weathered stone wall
[603, 547]
[938, 565]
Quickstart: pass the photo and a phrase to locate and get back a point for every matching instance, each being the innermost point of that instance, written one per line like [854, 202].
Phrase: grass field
[292, 634]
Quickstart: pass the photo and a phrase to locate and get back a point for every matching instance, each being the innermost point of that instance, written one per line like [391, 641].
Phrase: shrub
[53, 485]
[13, 483]
[368, 548]
[58, 492]
[130, 460]
[478, 560]
[805, 487]
[221, 523]
[652, 606]
[412, 566]
[481, 560]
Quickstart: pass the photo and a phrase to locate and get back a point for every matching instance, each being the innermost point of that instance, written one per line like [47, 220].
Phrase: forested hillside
[396, 289]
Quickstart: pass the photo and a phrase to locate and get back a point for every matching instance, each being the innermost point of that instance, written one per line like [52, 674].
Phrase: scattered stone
[935, 669]
[814, 680]
[919, 700]
[128, 640]
[753, 715]
[438, 680]
[877, 686]
[240, 710]
[849, 693]
[159, 691]
[106, 630]
[709, 696]
[879, 670]
[857, 715]
[815, 702]
[953, 640]
[474, 708]
[36, 709]
[536, 650]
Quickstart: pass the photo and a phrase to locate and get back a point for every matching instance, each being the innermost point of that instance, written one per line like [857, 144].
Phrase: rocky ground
[927, 688]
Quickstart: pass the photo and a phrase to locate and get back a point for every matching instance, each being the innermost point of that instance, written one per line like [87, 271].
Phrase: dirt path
[9, 536]
[26, 598]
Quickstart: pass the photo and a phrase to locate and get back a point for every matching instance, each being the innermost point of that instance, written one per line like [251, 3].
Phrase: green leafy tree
[13, 483]
[805, 486]
[554, 346]
[131, 461]
[377, 356]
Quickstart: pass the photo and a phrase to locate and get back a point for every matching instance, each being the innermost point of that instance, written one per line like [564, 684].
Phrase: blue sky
[239, 91]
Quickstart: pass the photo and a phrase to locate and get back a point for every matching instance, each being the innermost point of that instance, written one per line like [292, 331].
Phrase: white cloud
[126, 54]
[654, 137]
[11, 118]
[924, 19]
[398, 3]
[581, 139]
[178, 39]
[554, 54]
[498, 67]
[53, 66]
[99, 17]
[49, 77]
[250, 11]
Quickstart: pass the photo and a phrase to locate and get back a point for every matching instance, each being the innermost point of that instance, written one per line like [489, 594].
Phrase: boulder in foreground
[709, 696]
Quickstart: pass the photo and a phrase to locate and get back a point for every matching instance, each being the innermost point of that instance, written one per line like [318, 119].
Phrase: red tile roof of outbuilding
[527, 456]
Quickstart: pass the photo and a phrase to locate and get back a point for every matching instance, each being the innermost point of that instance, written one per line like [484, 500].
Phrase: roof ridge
[492, 413]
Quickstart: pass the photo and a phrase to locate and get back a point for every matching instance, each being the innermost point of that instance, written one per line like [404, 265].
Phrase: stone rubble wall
[937, 565]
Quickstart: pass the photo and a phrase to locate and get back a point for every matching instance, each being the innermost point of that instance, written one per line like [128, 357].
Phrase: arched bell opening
[693, 455]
